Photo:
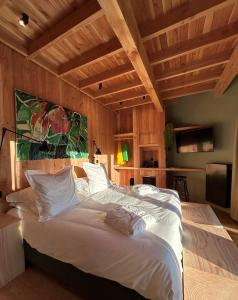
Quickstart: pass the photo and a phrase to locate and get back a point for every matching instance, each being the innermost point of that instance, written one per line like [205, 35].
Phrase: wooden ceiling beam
[163, 86]
[120, 16]
[228, 74]
[199, 65]
[180, 92]
[87, 13]
[180, 82]
[90, 56]
[179, 16]
[186, 91]
[128, 69]
[106, 75]
[7, 39]
[3, 2]
[127, 97]
[136, 102]
[124, 95]
[186, 47]
[118, 88]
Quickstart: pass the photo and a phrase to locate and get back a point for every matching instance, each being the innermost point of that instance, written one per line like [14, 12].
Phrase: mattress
[149, 263]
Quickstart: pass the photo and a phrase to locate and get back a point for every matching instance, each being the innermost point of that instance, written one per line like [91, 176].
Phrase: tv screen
[195, 140]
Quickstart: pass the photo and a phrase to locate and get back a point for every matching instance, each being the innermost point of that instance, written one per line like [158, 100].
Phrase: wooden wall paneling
[151, 128]
[125, 176]
[136, 120]
[19, 73]
[125, 121]
[148, 125]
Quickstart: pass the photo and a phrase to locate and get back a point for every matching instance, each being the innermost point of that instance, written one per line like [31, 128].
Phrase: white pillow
[82, 185]
[55, 192]
[97, 176]
[24, 199]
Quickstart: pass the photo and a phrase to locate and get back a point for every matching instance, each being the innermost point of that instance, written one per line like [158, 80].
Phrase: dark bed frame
[87, 286]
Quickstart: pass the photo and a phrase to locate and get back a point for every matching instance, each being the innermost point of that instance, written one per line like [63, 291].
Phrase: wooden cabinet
[12, 261]
[141, 128]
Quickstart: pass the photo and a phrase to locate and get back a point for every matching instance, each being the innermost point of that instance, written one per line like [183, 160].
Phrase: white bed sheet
[149, 264]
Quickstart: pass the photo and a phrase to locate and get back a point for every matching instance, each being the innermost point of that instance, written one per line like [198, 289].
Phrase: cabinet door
[216, 184]
[12, 256]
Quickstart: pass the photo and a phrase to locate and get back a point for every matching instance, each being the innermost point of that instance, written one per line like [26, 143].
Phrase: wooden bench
[210, 257]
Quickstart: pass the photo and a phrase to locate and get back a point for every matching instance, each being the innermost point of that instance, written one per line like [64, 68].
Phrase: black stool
[180, 185]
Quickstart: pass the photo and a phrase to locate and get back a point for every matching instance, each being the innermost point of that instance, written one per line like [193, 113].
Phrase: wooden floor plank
[210, 257]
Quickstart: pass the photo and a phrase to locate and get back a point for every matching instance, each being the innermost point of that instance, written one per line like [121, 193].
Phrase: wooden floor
[230, 225]
[35, 285]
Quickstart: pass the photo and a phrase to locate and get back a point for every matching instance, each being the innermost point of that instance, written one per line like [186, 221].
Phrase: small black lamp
[43, 147]
[97, 150]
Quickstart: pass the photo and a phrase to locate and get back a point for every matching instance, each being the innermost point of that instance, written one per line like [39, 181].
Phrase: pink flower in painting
[39, 111]
[41, 128]
[39, 121]
[58, 120]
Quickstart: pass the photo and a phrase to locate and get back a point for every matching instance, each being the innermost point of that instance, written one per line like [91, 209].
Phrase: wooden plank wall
[16, 72]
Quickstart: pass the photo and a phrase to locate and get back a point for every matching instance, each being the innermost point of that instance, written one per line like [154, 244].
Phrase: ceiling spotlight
[100, 86]
[24, 20]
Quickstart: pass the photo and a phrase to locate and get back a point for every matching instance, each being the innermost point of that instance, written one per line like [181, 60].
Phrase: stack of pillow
[51, 194]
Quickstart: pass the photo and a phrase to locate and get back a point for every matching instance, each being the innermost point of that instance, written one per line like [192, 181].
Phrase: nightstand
[11, 248]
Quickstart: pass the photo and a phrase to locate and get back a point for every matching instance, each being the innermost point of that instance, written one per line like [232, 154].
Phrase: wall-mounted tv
[195, 140]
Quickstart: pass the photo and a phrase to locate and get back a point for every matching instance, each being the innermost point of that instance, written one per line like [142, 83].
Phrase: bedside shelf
[124, 136]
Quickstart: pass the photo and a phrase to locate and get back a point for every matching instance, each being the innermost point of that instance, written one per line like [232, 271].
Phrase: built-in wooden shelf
[177, 169]
[148, 145]
[124, 136]
[125, 168]
[171, 169]
[187, 127]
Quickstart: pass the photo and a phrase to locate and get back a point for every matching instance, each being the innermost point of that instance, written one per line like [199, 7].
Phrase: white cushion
[55, 192]
[24, 199]
[97, 176]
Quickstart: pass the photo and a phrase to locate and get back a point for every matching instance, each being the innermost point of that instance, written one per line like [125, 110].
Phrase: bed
[149, 264]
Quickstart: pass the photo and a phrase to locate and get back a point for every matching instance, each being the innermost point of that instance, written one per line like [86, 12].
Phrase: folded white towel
[145, 189]
[129, 220]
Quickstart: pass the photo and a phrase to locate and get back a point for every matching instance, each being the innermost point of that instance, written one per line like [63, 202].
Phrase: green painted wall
[205, 109]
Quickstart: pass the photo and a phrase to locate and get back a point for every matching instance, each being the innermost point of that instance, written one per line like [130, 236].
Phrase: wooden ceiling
[140, 50]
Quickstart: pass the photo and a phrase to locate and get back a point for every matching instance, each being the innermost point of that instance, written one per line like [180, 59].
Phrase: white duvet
[149, 263]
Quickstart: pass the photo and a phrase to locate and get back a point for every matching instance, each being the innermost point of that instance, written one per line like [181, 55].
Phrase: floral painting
[65, 131]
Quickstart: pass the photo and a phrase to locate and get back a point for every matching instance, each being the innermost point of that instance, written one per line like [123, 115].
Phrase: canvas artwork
[64, 130]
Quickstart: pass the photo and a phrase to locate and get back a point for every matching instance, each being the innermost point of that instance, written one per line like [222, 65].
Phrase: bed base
[87, 286]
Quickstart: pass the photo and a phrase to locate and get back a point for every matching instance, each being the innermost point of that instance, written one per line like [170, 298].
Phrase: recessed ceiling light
[24, 20]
